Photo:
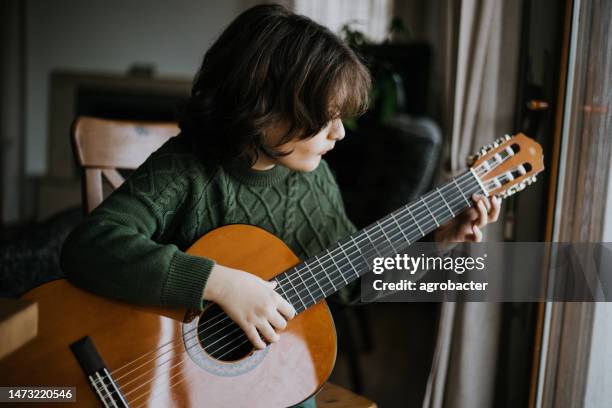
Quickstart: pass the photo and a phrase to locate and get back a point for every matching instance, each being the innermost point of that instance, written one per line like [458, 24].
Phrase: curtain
[481, 96]
[371, 17]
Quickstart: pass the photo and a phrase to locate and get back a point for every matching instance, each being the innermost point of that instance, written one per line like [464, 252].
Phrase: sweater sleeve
[116, 252]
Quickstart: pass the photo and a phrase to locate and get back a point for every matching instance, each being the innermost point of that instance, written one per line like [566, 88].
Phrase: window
[371, 17]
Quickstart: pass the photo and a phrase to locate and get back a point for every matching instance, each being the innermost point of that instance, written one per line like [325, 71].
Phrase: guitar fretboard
[326, 273]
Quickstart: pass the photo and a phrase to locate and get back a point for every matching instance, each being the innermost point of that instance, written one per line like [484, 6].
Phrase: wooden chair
[102, 146]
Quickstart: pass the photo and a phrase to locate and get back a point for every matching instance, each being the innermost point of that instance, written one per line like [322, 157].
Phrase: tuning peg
[518, 187]
[471, 159]
[510, 191]
[502, 140]
[485, 149]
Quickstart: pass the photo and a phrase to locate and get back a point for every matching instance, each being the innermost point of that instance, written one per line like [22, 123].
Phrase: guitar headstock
[508, 165]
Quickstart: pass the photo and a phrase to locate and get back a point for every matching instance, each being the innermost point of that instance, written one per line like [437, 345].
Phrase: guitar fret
[362, 259]
[286, 292]
[312, 274]
[415, 221]
[337, 267]
[295, 290]
[280, 287]
[401, 230]
[326, 274]
[386, 236]
[430, 213]
[365, 230]
[307, 288]
[445, 202]
[461, 192]
[348, 258]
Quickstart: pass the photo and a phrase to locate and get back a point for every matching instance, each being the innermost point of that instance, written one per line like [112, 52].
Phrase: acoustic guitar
[120, 355]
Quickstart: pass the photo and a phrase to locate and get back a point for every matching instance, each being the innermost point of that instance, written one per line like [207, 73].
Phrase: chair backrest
[102, 146]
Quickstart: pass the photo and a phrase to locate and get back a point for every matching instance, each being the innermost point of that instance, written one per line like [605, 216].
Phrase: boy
[266, 104]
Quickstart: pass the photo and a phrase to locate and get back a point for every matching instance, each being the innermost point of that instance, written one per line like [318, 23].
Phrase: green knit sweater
[132, 246]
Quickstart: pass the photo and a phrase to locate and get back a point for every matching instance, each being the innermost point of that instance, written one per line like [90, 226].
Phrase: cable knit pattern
[131, 246]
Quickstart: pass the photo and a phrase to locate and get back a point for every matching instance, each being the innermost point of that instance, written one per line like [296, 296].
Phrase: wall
[110, 36]
[607, 229]
[11, 83]
[599, 380]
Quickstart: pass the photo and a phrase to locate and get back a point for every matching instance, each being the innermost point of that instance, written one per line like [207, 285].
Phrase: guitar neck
[331, 270]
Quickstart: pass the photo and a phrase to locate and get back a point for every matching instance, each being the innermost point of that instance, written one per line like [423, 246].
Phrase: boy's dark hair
[271, 67]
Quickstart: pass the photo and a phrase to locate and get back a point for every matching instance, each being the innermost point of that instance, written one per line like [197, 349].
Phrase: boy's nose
[337, 130]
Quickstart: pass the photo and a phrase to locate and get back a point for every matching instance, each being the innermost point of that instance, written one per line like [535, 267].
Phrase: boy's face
[305, 153]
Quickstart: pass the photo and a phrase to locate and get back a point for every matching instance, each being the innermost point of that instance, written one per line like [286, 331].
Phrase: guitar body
[153, 354]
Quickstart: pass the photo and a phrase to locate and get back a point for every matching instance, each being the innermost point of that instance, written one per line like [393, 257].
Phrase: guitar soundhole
[221, 338]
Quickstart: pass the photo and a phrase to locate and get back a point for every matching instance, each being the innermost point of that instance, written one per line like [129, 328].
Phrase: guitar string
[164, 390]
[289, 298]
[332, 283]
[227, 344]
[390, 241]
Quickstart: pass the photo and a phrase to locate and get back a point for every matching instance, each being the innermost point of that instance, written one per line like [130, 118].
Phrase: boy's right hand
[249, 301]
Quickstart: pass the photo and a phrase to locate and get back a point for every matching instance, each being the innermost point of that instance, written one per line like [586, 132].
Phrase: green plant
[387, 94]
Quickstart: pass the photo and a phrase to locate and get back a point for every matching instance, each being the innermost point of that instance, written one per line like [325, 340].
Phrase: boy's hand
[466, 227]
[249, 301]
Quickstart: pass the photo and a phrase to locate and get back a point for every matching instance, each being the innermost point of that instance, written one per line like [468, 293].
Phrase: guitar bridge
[105, 387]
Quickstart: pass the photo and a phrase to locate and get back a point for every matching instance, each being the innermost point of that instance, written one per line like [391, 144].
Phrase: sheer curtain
[371, 17]
[481, 92]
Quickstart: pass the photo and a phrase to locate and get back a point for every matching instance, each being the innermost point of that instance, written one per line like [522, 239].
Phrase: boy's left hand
[466, 227]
